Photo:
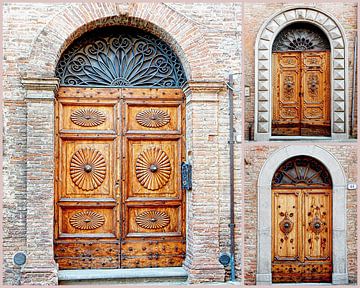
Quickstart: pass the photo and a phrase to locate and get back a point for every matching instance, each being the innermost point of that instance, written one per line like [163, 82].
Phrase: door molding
[263, 78]
[263, 271]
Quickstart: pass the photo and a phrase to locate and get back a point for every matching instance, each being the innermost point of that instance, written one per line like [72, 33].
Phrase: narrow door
[301, 94]
[119, 202]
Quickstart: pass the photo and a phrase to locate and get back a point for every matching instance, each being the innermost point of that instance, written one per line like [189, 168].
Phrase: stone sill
[94, 274]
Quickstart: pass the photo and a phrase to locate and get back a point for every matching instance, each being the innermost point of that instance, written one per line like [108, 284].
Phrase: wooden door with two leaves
[301, 94]
[119, 202]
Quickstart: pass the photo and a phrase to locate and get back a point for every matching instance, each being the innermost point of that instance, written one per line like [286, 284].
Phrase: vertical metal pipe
[231, 151]
[353, 88]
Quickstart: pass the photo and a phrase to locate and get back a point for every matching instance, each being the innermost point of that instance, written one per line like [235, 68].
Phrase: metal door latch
[186, 176]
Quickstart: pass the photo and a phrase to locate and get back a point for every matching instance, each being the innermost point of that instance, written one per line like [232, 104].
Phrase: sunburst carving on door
[87, 220]
[153, 168]
[87, 168]
[152, 219]
[88, 117]
[153, 118]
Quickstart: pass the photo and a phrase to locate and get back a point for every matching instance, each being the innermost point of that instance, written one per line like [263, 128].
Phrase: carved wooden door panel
[301, 94]
[301, 247]
[153, 203]
[119, 202]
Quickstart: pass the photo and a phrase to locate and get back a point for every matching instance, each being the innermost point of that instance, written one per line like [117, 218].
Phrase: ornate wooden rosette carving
[87, 220]
[286, 225]
[88, 117]
[152, 219]
[153, 118]
[153, 168]
[87, 168]
[316, 225]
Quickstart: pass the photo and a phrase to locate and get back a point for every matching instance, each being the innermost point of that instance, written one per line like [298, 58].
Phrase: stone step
[158, 276]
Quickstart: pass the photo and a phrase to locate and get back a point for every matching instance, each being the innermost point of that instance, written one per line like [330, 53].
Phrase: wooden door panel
[151, 94]
[153, 221]
[286, 230]
[88, 262]
[95, 182]
[87, 222]
[165, 157]
[286, 102]
[317, 213]
[153, 117]
[316, 93]
[89, 116]
[152, 261]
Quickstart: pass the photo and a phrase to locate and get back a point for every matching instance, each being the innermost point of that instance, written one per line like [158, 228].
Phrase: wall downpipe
[353, 88]
[231, 151]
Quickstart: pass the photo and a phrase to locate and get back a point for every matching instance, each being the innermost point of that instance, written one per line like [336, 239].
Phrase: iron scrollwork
[120, 57]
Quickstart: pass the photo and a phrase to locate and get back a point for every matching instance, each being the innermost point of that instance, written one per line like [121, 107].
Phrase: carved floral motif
[152, 219]
[87, 168]
[153, 118]
[88, 117]
[153, 168]
[87, 220]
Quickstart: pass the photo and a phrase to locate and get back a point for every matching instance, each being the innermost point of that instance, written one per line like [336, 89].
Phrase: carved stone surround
[263, 91]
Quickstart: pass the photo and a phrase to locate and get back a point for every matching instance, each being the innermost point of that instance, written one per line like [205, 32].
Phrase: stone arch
[263, 273]
[263, 78]
[156, 18]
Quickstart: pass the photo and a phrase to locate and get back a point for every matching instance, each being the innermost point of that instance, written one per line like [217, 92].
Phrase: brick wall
[255, 157]
[255, 14]
[34, 35]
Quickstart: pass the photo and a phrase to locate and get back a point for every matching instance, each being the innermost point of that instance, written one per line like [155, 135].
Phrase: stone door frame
[263, 71]
[339, 238]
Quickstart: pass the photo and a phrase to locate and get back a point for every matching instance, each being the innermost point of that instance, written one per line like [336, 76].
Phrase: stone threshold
[102, 274]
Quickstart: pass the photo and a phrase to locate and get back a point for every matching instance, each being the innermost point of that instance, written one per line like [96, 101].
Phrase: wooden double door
[301, 94]
[119, 202]
[301, 235]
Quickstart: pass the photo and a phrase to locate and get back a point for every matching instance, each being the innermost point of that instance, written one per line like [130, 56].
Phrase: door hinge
[186, 176]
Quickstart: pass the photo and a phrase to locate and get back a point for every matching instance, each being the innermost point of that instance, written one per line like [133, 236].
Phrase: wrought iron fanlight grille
[301, 37]
[302, 171]
[120, 57]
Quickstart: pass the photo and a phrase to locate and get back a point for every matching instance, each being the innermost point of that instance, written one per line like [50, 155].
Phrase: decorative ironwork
[120, 57]
[87, 220]
[153, 118]
[152, 219]
[286, 225]
[87, 168]
[153, 168]
[88, 117]
[300, 38]
[302, 171]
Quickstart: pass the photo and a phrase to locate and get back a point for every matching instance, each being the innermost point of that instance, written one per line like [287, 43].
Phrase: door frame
[264, 188]
[263, 63]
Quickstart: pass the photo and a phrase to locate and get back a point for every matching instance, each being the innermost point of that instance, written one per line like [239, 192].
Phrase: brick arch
[263, 63]
[157, 18]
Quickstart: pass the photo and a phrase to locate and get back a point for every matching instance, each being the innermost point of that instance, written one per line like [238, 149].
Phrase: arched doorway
[301, 222]
[301, 82]
[120, 126]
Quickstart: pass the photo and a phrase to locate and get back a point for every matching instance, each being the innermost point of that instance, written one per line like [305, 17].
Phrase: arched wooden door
[301, 222]
[301, 83]
[120, 144]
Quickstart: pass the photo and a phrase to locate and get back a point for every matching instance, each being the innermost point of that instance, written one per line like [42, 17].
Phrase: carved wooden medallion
[87, 220]
[316, 225]
[153, 168]
[87, 168]
[153, 118]
[152, 219]
[286, 225]
[88, 117]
